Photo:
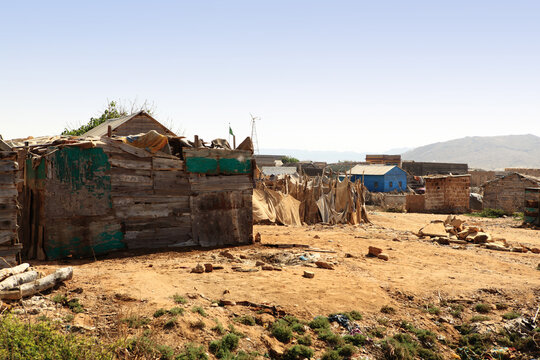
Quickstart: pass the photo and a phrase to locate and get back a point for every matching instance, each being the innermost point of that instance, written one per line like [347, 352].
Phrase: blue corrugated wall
[385, 183]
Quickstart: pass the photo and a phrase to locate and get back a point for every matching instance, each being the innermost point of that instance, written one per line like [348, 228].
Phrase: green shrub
[356, 339]
[434, 310]
[199, 310]
[59, 299]
[166, 352]
[388, 310]
[223, 348]
[305, 340]
[159, 312]
[479, 318]
[136, 321]
[331, 355]
[330, 338]
[281, 331]
[192, 352]
[75, 305]
[399, 347]
[346, 351]
[511, 315]
[297, 352]
[200, 325]
[176, 311]
[246, 320]
[218, 328]
[21, 340]
[482, 308]
[179, 299]
[355, 315]
[171, 323]
[298, 328]
[501, 306]
[320, 322]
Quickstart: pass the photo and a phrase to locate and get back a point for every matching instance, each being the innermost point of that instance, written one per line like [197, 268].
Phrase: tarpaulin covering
[151, 141]
[275, 207]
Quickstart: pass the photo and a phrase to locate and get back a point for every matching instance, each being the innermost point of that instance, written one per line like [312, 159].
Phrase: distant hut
[136, 123]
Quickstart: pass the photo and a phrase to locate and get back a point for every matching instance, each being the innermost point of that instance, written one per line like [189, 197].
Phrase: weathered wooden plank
[8, 224]
[216, 153]
[127, 148]
[8, 166]
[220, 183]
[180, 221]
[8, 193]
[7, 236]
[119, 179]
[130, 164]
[221, 218]
[167, 164]
[8, 155]
[148, 199]
[9, 178]
[151, 210]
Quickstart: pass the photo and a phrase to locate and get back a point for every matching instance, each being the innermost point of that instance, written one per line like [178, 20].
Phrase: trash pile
[456, 231]
[22, 281]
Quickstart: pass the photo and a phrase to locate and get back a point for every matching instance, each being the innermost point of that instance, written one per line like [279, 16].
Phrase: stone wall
[447, 193]
[415, 203]
[507, 193]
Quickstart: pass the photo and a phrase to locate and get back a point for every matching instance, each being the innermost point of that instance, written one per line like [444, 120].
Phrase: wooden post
[109, 131]
[196, 141]
[234, 141]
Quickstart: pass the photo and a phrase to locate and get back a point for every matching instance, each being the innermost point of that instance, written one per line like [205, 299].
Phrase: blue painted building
[380, 178]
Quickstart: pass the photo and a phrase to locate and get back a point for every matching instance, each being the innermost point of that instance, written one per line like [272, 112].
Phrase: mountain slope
[493, 152]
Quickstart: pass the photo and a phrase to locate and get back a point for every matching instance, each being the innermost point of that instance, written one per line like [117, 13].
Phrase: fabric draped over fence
[293, 201]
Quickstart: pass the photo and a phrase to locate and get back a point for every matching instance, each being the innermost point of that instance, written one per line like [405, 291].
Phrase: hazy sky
[327, 75]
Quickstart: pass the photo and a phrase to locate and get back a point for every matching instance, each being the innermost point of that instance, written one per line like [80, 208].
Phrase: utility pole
[254, 138]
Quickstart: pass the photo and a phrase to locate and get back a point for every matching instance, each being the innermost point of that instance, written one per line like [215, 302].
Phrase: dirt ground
[418, 272]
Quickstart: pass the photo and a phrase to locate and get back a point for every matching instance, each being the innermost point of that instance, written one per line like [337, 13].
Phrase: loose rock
[309, 274]
[374, 251]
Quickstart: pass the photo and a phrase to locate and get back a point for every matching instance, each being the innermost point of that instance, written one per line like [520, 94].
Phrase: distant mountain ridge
[484, 152]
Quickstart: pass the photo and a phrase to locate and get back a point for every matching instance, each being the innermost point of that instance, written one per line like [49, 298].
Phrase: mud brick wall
[507, 193]
[530, 172]
[479, 177]
[447, 194]
[415, 203]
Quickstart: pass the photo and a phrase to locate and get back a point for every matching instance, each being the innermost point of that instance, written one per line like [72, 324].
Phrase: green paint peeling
[234, 166]
[202, 165]
[83, 168]
[221, 166]
[38, 173]
[79, 248]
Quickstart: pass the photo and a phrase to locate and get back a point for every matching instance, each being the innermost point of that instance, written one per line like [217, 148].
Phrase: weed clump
[511, 315]
[199, 310]
[298, 352]
[479, 318]
[159, 312]
[482, 308]
[223, 348]
[356, 339]
[281, 331]
[176, 311]
[386, 309]
[179, 299]
[136, 321]
[192, 352]
[305, 340]
[246, 320]
[320, 322]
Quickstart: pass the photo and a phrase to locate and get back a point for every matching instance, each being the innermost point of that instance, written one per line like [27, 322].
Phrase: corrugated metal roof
[371, 169]
[278, 170]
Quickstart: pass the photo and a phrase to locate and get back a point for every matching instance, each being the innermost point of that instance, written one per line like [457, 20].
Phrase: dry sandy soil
[418, 272]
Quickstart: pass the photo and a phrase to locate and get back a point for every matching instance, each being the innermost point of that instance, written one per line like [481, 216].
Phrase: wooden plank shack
[221, 202]
[90, 199]
[9, 240]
